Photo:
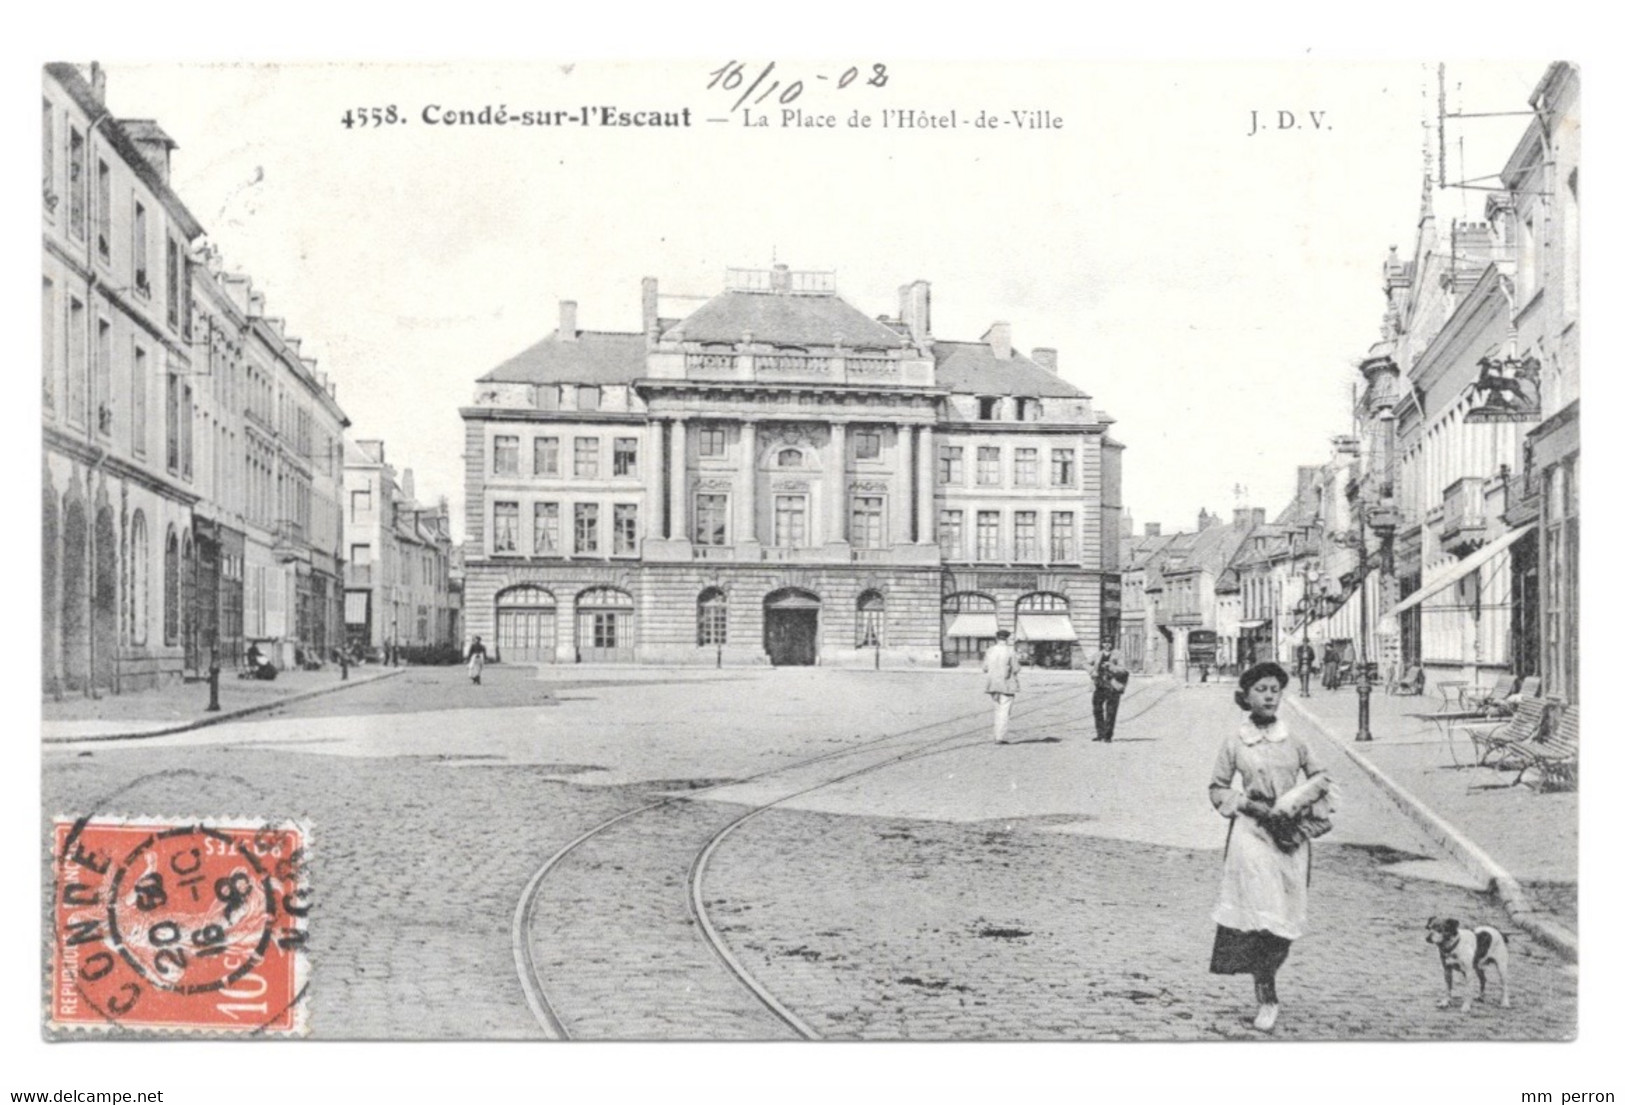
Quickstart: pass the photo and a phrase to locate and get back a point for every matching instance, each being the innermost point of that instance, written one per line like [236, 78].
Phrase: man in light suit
[1002, 667]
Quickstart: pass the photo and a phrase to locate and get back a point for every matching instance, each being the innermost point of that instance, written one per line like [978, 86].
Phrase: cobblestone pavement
[1054, 889]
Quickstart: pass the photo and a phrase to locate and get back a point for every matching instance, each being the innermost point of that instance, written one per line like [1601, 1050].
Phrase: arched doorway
[969, 623]
[527, 625]
[790, 627]
[604, 626]
[104, 614]
[1044, 629]
[75, 620]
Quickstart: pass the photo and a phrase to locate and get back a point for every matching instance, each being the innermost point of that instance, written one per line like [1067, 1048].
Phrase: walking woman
[476, 660]
[1264, 896]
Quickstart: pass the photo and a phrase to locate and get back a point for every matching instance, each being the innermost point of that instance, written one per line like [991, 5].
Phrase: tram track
[681, 816]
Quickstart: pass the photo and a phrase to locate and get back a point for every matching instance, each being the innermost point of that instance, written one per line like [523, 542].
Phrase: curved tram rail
[544, 1008]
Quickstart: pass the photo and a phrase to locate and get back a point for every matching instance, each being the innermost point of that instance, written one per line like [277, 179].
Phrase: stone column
[657, 479]
[835, 486]
[679, 480]
[905, 486]
[746, 512]
[926, 493]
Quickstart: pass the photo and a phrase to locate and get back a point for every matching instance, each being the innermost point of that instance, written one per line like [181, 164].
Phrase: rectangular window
[868, 513]
[604, 630]
[545, 459]
[547, 530]
[76, 182]
[104, 210]
[138, 250]
[713, 441]
[951, 465]
[48, 345]
[1063, 545]
[361, 555]
[1026, 535]
[987, 535]
[172, 421]
[951, 534]
[1026, 467]
[713, 620]
[360, 503]
[626, 529]
[505, 455]
[505, 528]
[626, 456]
[987, 407]
[586, 528]
[790, 521]
[172, 281]
[186, 430]
[1062, 472]
[866, 442]
[988, 465]
[78, 369]
[710, 519]
[587, 458]
[102, 380]
[587, 398]
[48, 154]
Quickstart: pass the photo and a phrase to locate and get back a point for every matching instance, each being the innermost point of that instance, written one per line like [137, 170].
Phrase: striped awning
[1045, 627]
[974, 626]
[355, 607]
[1459, 571]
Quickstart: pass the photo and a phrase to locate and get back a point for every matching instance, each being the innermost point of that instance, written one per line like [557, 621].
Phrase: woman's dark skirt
[1253, 952]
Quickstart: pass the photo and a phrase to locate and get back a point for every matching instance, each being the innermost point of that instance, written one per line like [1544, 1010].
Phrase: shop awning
[355, 607]
[974, 626]
[1254, 623]
[1460, 570]
[1045, 627]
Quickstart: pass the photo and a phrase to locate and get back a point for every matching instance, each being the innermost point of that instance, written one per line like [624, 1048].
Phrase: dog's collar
[1251, 734]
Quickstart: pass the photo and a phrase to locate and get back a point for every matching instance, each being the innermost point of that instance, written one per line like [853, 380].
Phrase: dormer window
[588, 398]
[1028, 410]
[987, 407]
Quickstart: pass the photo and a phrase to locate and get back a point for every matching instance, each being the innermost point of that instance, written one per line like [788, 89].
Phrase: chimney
[567, 320]
[408, 488]
[651, 306]
[1153, 529]
[256, 304]
[1258, 516]
[373, 449]
[1307, 475]
[153, 143]
[98, 81]
[1047, 359]
[998, 336]
[779, 280]
[914, 310]
[1204, 519]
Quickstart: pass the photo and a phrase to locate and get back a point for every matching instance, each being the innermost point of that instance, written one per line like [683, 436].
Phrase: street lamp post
[1362, 683]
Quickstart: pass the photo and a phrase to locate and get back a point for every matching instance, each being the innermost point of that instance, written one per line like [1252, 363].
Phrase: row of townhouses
[193, 458]
[1451, 515]
[777, 477]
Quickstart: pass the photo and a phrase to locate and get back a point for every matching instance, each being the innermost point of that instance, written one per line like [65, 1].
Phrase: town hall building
[780, 478]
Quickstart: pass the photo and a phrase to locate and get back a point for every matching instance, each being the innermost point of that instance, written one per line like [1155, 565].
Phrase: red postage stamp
[184, 926]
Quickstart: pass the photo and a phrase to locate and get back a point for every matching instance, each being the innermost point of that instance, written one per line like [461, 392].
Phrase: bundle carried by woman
[1302, 813]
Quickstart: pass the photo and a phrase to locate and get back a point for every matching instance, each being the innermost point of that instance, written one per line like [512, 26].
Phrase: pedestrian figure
[1306, 666]
[1002, 666]
[476, 660]
[1264, 895]
[1111, 678]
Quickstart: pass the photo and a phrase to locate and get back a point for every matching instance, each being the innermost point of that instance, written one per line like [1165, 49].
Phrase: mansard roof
[779, 318]
[594, 357]
[970, 366]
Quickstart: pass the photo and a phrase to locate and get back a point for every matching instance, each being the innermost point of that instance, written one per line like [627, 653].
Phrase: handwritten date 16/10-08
[734, 74]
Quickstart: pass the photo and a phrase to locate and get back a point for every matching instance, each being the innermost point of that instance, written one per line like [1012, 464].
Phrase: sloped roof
[969, 366]
[595, 357]
[787, 319]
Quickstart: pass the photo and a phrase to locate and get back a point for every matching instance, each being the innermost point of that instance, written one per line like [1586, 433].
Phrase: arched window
[172, 588]
[140, 578]
[969, 624]
[525, 595]
[790, 458]
[871, 619]
[712, 617]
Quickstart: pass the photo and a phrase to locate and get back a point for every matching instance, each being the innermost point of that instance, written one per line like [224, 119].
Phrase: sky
[1210, 287]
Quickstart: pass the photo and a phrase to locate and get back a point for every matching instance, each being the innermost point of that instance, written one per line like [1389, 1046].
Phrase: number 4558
[372, 116]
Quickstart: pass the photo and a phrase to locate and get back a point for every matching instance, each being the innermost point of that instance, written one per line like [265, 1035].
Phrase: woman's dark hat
[1264, 670]
[1003, 634]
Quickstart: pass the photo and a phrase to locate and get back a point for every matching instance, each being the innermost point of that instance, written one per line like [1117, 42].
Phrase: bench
[1528, 722]
[1555, 754]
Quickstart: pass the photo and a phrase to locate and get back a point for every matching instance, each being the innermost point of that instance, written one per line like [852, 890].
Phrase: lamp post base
[1363, 690]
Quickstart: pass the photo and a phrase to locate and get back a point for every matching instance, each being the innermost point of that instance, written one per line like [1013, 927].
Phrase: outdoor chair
[1555, 753]
[1493, 700]
[1414, 681]
[1528, 723]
